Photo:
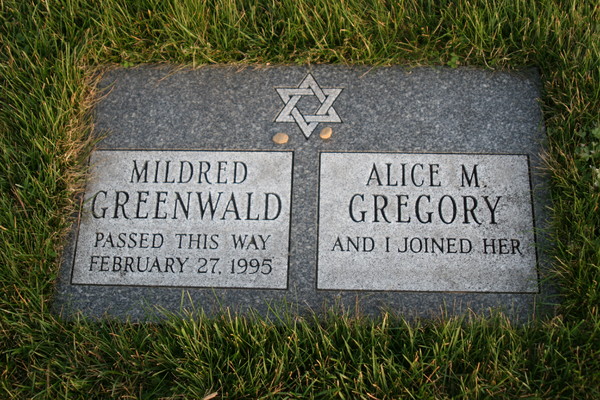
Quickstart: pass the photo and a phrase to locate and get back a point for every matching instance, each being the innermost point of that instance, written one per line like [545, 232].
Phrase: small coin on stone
[281, 138]
[326, 133]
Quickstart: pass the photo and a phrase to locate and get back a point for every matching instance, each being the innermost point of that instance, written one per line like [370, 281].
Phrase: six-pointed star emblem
[308, 87]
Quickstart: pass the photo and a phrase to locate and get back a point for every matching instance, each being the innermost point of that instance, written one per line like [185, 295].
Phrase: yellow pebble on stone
[281, 138]
[326, 133]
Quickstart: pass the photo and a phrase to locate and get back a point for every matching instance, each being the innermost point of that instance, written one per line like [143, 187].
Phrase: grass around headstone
[50, 54]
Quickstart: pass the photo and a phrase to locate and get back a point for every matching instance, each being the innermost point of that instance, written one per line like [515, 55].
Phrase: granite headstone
[406, 190]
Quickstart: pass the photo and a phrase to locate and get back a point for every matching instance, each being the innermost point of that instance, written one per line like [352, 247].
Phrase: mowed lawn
[52, 54]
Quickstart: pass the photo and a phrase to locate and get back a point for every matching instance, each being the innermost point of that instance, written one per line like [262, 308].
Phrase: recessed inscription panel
[186, 218]
[426, 222]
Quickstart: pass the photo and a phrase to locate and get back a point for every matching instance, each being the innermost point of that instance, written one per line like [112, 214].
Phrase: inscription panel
[185, 218]
[426, 222]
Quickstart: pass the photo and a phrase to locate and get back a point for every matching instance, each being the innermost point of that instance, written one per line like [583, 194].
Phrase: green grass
[50, 52]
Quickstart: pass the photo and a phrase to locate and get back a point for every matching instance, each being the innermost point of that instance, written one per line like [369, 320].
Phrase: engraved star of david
[308, 87]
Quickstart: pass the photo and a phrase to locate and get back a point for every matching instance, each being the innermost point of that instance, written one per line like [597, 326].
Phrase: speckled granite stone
[449, 118]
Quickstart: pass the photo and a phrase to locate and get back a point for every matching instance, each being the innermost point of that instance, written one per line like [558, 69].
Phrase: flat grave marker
[408, 190]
